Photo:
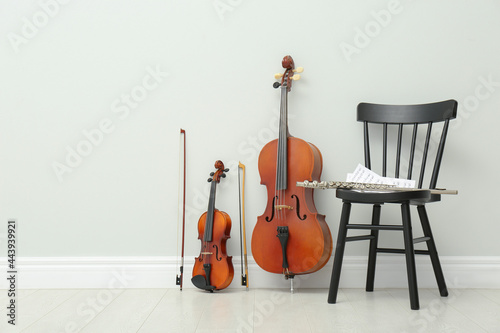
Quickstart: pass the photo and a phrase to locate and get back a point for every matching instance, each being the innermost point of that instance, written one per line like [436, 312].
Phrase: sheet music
[365, 175]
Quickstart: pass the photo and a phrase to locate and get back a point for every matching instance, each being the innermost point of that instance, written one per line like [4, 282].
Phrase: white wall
[66, 73]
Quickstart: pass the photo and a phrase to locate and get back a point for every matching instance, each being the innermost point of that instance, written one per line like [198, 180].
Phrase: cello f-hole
[302, 218]
[272, 216]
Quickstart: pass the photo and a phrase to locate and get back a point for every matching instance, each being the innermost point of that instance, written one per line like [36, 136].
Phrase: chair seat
[389, 196]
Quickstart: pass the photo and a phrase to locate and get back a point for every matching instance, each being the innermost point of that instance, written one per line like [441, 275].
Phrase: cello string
[282, 148]
[284, 151]
[278, 175]
[280, 198]
[276, 185]
[285, 147]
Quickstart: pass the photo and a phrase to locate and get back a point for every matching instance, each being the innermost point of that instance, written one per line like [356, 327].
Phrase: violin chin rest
[199, 281]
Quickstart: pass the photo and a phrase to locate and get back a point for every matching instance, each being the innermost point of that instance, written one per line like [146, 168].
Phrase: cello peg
[223, 175]
[298, 70]
[212, 173]
[278, 76]
[296, 77]
[226, 170]
[209, 180]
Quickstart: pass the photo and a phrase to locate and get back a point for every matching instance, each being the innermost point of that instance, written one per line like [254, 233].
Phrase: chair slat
[439, 155]
[412, 149]
[368, 163]
[398, 152]
[424, 155]
[384, 163]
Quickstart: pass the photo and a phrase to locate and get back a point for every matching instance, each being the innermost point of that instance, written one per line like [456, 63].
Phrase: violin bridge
[280, 207]
[206, 253]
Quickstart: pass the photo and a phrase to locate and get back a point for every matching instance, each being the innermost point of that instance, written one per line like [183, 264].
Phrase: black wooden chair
[392, 119]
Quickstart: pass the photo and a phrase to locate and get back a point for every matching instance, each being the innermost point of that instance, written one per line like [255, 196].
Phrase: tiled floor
[256, 310]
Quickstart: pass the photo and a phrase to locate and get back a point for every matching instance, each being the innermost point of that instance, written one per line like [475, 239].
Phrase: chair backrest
[392, 117]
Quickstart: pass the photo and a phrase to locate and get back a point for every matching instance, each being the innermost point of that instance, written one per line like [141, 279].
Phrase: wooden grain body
[222, 271]
[310, 243]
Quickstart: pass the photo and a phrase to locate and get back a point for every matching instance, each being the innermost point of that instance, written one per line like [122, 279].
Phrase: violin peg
[223, 175]
[226, 170]
[209, 180]
[296, 77]
[298, 70]
[278, 76]
[212, 173]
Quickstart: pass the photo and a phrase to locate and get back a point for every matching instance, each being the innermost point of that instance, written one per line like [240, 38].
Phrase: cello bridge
[280, 207]
[206, 253]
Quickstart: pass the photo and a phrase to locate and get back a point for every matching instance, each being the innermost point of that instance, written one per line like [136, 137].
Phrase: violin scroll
[219, 173]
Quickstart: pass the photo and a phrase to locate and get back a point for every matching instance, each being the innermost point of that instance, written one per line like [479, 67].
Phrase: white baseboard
[160, 272]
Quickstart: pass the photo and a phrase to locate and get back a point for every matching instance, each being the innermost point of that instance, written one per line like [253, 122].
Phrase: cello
[213, 268]
[290, 238]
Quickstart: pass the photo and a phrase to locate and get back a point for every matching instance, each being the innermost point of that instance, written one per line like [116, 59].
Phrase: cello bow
[243, 238]
[179, 277]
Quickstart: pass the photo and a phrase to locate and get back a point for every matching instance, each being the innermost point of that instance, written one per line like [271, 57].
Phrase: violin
[290, 238]
[213, 269]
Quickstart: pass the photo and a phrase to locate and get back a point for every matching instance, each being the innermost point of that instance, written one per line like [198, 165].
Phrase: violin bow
[243, 244]
[178, 278]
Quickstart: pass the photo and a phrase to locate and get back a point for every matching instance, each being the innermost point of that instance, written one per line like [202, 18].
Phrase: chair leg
[339, 253]
[410, 256]
[436, 265]
[372, 254]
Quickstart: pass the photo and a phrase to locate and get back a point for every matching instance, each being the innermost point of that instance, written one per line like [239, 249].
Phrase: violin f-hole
[217, 253]
[272, 216]
[302, 218]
